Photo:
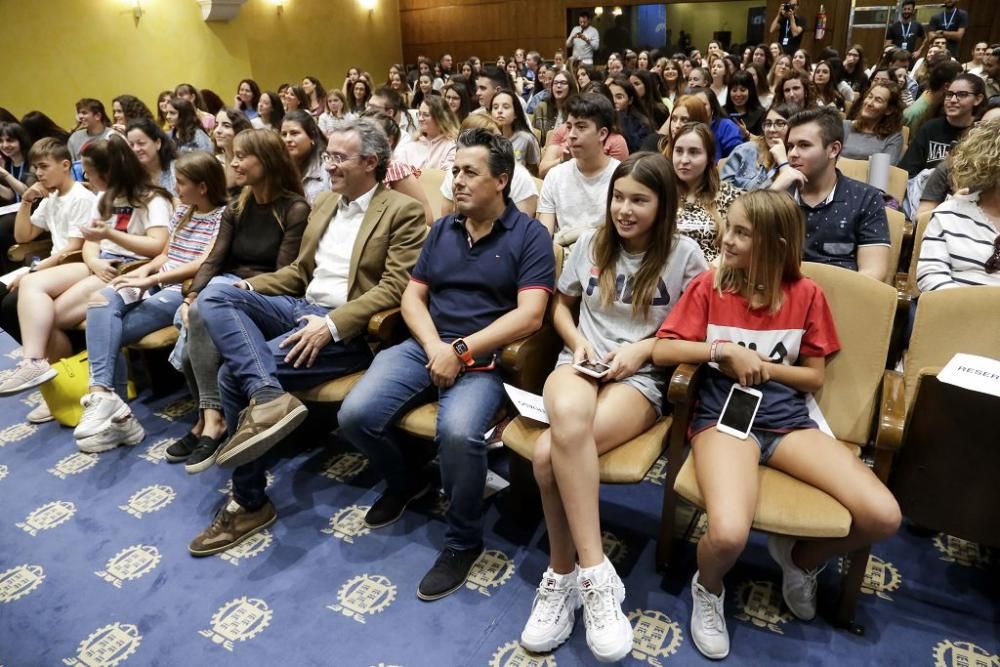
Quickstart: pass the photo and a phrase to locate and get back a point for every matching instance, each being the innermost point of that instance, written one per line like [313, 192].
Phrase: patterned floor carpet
[94, 571]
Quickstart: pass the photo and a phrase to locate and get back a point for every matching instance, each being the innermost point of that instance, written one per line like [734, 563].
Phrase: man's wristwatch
[463, 351]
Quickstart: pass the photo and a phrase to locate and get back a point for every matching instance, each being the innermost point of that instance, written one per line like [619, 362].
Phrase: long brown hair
[655, 172]
[777, 236]
[891, 121]
[202, 167]
[127, 179]
[281, 176]
[710, 183]
[697, 113]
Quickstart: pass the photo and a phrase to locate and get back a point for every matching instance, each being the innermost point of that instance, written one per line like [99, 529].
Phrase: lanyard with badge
[788, 30]
[947, 21]
[906, 31]
[17, 175]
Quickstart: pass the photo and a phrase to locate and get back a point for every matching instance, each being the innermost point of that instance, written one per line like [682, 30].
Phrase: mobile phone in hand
[594, 369]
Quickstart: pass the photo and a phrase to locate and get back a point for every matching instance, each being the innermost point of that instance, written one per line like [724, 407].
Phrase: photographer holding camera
[788, 27]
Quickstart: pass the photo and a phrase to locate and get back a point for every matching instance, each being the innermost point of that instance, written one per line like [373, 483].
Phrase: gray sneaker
[27, 375]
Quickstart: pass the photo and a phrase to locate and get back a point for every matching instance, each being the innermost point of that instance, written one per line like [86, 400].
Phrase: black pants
[6, 241]
[8, 313]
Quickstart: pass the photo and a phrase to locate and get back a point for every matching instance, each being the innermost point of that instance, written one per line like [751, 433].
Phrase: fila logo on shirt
[623, 288]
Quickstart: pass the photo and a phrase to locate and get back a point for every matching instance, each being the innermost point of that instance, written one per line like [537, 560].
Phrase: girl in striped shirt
[145, 300]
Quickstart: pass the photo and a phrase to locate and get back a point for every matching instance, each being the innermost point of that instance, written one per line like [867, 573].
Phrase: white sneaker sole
[619, 652]
[95, 430]
[30, 384]
[779, 558]
[550, 644]
[101, 442]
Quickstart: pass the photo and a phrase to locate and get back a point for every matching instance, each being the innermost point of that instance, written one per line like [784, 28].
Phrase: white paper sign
[528, 405]
[972, 372]
[11, 208]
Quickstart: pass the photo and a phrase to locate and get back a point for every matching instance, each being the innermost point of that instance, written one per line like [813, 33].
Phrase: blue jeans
[397, 381]
[248, 327]
[116, 323]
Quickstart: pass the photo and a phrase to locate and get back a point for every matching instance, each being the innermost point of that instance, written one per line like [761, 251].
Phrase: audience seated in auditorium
[155, 150]
[762, 162]
[574, 192]
[270, 112]
[743, 106]
[93, 124]
[185, 130]
[757, 293]
[449, 296]
[259, 232]
[513, 123]
[961, 245]
[846, 223]
[589, 417]
[146, 300]
[304, 143]
[702, 199]
[964, 101]
[875, 125]
[129, 222]
[305, 323]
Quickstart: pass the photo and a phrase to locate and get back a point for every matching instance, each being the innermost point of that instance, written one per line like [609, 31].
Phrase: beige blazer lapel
[372, 217]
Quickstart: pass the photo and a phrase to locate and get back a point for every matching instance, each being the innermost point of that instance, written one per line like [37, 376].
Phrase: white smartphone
[593, 368]
[739, 412]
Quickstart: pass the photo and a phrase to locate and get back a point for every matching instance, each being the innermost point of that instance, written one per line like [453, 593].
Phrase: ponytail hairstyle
[655, 172]
[126, 177]
[281, 176]
[777, 236]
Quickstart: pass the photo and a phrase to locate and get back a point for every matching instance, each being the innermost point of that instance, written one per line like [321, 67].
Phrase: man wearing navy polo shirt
[483, 280]
[846, 223]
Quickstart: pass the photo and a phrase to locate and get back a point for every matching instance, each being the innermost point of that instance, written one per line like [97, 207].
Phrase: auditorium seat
[861, 401]
[430, 180]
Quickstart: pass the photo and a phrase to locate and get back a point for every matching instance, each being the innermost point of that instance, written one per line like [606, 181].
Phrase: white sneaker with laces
[708, 621]
[120, 431]
[29, 373]
[798, 586]
[40, 414]
[553, 612]
[99, 409]
[609, 633]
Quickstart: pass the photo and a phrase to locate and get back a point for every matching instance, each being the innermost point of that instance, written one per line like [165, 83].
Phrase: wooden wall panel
[487, 28]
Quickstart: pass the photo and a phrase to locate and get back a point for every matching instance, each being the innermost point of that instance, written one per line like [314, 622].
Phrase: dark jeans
[397, 381]
[6, 241]
[248, 327]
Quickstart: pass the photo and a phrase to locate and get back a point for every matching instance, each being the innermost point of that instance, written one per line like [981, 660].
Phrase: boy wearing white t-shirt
[64, 207]
[575, 193]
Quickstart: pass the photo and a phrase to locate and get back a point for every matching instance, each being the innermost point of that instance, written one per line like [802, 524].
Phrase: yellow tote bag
[63, 392]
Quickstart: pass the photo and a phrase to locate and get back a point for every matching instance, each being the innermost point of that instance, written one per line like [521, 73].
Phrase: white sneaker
[609, 633]
[708, 621]
[100, 408]
[120, 431]
[40, 414]
[26, 375]
[798, 587]
[553, 612]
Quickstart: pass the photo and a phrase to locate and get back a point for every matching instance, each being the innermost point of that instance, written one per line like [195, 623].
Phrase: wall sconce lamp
[617, 11]
[280, 4]
[136, 10]
[368, 4]
[598, 10]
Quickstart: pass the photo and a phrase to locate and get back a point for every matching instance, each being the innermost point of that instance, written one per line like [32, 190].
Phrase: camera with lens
[788, 7]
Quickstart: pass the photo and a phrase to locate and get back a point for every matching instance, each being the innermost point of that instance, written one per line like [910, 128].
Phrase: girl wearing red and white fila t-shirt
[763, 324]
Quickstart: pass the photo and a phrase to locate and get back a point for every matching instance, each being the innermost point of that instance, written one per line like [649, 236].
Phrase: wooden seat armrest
[70, 257]
[892, 413]
[684, 384]
[529, 360]
[22, 252]
[387, 326]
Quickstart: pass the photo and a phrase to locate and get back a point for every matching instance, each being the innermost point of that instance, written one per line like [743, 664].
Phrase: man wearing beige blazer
[305, 323]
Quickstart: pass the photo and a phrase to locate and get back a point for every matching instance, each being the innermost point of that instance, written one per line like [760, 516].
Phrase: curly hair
[975, 161]
[891, 121]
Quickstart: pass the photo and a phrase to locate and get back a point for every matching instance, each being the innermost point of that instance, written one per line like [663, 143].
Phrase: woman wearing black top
[260, 232]
[635, 125]
[743, 105]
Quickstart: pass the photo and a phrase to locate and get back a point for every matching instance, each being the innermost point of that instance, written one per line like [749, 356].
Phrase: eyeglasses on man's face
[336, 158]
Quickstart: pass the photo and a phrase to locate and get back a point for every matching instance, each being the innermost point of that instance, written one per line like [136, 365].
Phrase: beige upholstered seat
[856, 390]
[430, 180]
[334, 391]
[161, 338]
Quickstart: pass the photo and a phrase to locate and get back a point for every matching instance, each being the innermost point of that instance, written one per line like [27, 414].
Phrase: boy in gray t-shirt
[608, 327]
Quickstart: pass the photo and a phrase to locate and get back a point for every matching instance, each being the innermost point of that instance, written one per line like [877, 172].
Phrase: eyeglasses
[557, 82]
[993, 263]
[774, 124]
[336, 158]
[960, 95]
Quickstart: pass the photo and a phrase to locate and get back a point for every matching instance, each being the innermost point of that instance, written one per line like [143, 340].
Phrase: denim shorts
[767, 441]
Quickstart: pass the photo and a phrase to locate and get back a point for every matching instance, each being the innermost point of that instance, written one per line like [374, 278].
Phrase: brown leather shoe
[232, 524]
[261, 427]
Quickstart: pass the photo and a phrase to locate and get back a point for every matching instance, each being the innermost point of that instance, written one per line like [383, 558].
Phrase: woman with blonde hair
[703, 199]
[962, 242]
[435, 147]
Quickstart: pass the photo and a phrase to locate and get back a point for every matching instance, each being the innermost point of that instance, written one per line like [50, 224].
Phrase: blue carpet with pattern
[94, 571]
